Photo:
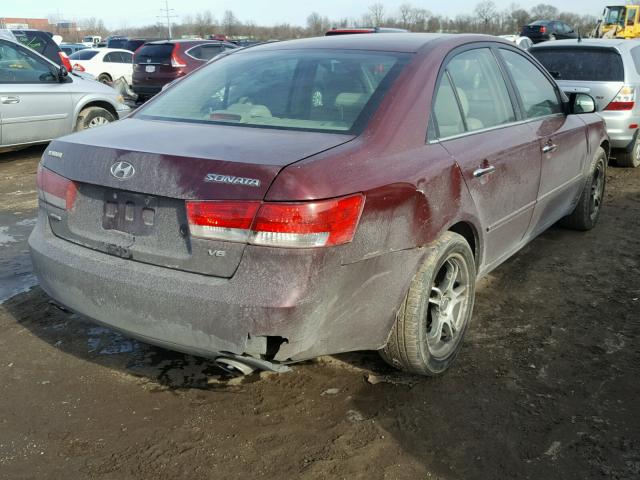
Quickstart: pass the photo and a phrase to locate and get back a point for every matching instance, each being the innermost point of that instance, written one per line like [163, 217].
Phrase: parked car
[607, 70]
[106, 64]
[41, 42]
[40, 100]
[524, 43]
[350, 31]
[546, 30]
[91, 41]
[262, 211]
[71, 48]
[134, 44]
[117, 42]
[159, 63]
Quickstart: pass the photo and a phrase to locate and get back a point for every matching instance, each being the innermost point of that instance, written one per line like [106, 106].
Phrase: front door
[34, 105]
[562, 140]
[499, 157]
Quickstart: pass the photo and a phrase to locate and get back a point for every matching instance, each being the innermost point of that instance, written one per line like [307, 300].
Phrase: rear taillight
[78, 68]
[176, 60]
[65, 60]
[543, 29]
[320, 223]
[625, 99]
[55, 190]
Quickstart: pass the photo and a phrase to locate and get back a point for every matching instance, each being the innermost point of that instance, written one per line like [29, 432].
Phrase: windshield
[83, 55]
[287, 89]
[582, 64]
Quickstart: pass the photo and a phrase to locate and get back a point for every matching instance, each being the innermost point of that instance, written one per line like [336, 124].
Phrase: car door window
[481, 89]
[126, 57]
[446, 110]
[16, 66]
[539, 96]
[205, 52]
[108, 58]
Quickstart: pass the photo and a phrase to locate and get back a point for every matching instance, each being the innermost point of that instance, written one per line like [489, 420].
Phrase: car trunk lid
[130, 199]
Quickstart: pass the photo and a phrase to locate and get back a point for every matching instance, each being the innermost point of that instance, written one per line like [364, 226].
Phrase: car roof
[389, 42]
[617, 43]
[185, 40]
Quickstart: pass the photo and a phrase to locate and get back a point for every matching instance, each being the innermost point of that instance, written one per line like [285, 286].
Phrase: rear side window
[154, 53]
[481, 89]
[582, 64]
[205, 52]
[538, 94]
[446, 110]
[31, 40]
[83, 55]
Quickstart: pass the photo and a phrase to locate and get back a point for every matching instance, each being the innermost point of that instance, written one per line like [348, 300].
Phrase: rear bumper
[319, 306]
[146, 90]
[618, 127]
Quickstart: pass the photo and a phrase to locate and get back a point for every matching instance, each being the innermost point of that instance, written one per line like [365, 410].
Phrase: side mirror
[581, 103]
[63, 73]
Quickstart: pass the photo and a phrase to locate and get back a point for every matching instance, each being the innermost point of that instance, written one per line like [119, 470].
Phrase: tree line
[485, 17]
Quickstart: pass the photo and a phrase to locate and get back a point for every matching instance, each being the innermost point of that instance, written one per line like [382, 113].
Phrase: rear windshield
[582, 64]
[154, 53]
[83, 55]
[117, 43]
[289, 89]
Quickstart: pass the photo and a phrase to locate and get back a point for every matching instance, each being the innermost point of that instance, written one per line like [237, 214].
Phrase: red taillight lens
[221, 220]
[78, 67]
[543, 29]
[624, 100]
[55, 189]
[176, 60]
[65, 61]
[296, 225]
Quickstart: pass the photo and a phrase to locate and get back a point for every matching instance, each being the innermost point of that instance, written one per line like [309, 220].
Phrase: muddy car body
[397, 187]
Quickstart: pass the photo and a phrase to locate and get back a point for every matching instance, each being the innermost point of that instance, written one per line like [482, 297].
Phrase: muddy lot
[546, 387]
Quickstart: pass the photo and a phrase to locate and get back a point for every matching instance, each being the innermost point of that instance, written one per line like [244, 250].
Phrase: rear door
[598, 71]
[34, 105]
[477, 123]
[562, 139]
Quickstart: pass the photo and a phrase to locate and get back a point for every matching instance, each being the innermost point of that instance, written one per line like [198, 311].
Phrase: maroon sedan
[157, 63]
[318, 196]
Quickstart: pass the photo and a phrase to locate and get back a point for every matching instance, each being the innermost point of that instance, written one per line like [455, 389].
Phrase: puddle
[5, 238]
[16, 272]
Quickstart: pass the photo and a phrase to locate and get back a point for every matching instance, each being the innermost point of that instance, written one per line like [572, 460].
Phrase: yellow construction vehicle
[619, 21]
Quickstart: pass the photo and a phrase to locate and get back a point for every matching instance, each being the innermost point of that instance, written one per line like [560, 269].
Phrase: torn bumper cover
[305, 300]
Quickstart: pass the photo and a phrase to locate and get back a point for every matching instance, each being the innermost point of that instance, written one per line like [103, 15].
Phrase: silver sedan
[40, 101]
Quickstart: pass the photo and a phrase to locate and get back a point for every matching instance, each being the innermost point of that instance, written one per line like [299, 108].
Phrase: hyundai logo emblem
[122, 170]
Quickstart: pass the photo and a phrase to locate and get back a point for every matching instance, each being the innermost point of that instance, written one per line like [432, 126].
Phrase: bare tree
[316, 25]
[407, 14]
[376, 12]
[486, 13]
[230, 24]
[544, 11]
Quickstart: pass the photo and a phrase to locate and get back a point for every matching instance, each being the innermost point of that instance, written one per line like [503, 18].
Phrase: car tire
[105, 78]
[629, 159]
[587, 211]
[434, 316]
[92, 117]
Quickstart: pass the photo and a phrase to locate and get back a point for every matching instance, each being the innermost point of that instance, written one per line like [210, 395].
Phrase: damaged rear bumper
[280, 306]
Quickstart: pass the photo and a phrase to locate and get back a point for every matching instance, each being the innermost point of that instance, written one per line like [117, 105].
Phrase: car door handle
[10, 100]
[484, 171]
[549, 147]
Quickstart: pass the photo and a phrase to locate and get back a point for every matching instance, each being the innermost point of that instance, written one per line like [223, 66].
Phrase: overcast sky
[119, 13]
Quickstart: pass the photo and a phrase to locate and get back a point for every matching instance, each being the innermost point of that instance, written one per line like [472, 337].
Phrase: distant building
[19, 23]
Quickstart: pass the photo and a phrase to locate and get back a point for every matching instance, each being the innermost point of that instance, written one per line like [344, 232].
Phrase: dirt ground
[546, 387]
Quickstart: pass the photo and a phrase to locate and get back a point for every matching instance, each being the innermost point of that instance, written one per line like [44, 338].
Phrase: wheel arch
[470, 233]
[95, 103]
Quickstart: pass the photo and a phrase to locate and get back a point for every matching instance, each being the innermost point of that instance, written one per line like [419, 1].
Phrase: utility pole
[167, 13]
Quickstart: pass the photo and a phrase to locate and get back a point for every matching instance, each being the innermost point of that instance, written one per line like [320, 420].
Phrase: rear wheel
[435, 314]
[629, 159]
[105, 78]
[93, 117]
[585, 215]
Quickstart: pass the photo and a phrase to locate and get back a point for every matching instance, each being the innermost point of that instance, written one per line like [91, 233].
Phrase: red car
[318, 196]
[157, 63]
